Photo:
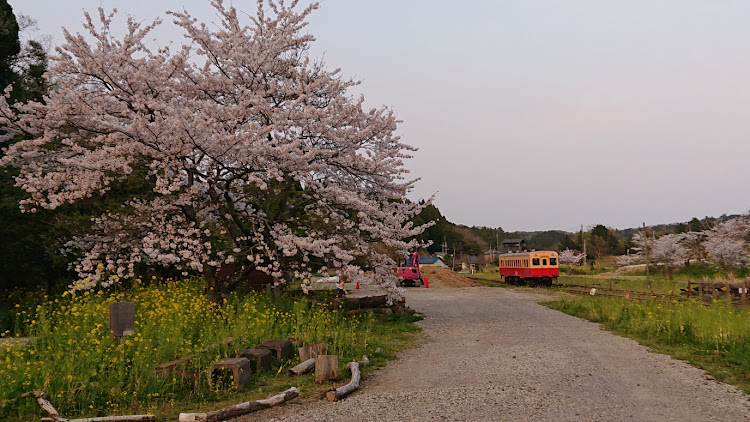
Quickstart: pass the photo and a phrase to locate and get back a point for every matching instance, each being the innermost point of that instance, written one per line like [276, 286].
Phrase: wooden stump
[326, 368]
[312, 351]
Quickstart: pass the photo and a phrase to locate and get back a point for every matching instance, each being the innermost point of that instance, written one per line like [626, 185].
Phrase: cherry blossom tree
[257, 154]
[726, 244]
[570, 257]
[669, 251]
[694, 244]
[625, 260]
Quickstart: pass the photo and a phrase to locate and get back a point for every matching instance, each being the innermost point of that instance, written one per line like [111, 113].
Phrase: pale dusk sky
[535, 115]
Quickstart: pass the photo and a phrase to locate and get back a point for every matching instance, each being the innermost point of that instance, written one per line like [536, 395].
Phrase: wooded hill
[475, 240]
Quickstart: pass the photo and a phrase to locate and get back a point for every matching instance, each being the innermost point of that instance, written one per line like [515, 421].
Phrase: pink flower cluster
[257, 154]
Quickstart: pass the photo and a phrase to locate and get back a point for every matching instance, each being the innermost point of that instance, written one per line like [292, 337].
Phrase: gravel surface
[496, 354]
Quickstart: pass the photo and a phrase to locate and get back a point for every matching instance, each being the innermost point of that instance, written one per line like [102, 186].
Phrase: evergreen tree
[10, 45]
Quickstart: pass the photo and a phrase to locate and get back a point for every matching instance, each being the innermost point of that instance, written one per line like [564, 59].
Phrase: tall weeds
[85, 371]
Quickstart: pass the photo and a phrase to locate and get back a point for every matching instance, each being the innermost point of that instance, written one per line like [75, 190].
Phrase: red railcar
[537, 267]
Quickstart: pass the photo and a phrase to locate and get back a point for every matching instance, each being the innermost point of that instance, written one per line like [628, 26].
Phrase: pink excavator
[409, 275]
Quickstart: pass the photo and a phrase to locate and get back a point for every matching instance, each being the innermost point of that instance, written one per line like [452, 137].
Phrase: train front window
[535, 261]
[553, 261]
[544, 262]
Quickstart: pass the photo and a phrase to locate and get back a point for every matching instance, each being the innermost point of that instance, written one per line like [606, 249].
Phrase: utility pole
[453, 266]
[645, 247]
[583, 240]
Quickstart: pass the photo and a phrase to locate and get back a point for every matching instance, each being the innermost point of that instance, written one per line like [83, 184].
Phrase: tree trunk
[213, 289]
[240, 409]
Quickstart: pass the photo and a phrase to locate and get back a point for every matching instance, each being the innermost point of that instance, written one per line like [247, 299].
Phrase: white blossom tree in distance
[726, 246]
[257, 154]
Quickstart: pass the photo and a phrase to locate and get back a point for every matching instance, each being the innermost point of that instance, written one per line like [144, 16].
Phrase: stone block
[283, 348]
[261, 357]
[240, 368]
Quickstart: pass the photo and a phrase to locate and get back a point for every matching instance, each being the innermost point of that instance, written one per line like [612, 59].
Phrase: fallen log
[131, 418]
[55, 417]
[384, 311]
[240, 409]
[303, 367]
[336, 394]
[369, 301]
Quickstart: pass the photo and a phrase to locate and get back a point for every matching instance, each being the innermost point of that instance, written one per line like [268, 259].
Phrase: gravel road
[496, 354]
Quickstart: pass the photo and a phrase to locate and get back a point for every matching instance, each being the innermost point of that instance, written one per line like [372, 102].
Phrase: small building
[432, 261]
[490, 254]
[514, 245]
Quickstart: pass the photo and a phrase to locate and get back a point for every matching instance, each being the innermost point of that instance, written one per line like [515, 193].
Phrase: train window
[544, 262]
[553, 261]
[535, 261]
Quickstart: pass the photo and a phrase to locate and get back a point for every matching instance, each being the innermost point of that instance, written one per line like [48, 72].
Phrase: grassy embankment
[714, 337]
[633, 280]
[87, 372]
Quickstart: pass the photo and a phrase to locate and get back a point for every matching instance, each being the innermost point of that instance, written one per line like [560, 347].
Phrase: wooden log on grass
[303, 367]
[336, 394]
[369, 301]
[240, 409]
[326, 368]
[130, 418]
[384, 311]
[55, 417]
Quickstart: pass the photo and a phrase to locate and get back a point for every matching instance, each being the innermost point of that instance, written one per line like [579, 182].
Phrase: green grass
[715, 338]
[86, 372]
[624, 282]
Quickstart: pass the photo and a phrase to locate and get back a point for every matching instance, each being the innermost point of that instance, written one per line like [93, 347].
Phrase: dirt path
[495, 354]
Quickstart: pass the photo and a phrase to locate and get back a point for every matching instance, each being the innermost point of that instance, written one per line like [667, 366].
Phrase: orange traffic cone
[426, 283]
[357, 287]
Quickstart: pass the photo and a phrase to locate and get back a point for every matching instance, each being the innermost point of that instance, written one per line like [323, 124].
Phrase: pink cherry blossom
[259, 155]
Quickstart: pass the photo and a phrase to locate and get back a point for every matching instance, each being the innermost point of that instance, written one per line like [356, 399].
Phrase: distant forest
[476, 240]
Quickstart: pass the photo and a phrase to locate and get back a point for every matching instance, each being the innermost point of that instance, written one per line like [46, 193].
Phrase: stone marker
[121, 318]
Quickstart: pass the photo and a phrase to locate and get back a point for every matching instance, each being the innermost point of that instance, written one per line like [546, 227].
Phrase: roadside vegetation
[87, 372]
[714, 337]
